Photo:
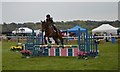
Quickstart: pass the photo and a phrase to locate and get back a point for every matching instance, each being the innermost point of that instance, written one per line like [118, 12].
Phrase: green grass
[0, 55]
[107, 60]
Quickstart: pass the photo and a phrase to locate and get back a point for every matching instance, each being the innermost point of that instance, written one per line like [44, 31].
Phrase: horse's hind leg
[49, 40]
[45, 40]
[61, 39]
[56, 40]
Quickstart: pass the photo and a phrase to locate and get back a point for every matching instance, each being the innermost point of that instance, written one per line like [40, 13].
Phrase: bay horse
[49, 32]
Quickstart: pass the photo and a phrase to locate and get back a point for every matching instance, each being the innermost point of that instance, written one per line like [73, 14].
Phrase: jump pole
[87, 43]
[57, 46]
[79, 39]
[42, 35]
[33, 42]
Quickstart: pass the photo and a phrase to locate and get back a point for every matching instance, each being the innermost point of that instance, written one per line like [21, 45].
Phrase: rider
[50, 21]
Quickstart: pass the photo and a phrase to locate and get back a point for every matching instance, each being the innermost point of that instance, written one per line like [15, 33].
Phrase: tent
[118, 31]
[22, 30]
[75, 29]
[105, 28]
[37, 31]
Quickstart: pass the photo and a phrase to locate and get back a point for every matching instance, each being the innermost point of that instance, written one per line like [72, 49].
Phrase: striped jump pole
[74, 38]
[56, 46]
[70, 37]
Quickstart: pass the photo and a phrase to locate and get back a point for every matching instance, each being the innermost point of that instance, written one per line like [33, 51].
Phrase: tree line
[8, 28]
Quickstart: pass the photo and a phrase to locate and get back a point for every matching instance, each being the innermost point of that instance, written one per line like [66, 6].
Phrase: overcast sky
[60, 11]
[0, 12]
[60, 0]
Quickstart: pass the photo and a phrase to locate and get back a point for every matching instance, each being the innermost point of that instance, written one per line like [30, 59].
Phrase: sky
[60, 11]
[118, 10]
[60, 0]
[0, 12]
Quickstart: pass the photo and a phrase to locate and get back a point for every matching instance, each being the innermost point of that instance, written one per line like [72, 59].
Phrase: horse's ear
[41, 21]
[44, 21]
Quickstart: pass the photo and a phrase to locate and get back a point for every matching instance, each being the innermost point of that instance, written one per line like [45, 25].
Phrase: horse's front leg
[45, 40]
[56, 40]
[49, 40]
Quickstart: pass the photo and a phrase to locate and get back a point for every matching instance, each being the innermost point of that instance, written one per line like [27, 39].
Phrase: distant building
[22, 30]
[105, 28]
[25, 30]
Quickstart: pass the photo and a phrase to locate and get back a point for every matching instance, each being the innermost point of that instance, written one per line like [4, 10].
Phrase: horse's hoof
[63, 47]
[50, 42]
[49, 46]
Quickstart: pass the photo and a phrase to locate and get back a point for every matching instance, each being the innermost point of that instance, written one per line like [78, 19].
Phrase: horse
[49, 32]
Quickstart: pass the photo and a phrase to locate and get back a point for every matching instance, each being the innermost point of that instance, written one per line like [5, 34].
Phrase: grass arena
[107, 60]
[55, 58]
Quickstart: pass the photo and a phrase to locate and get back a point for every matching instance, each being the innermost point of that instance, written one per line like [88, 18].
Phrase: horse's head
[44, 25]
